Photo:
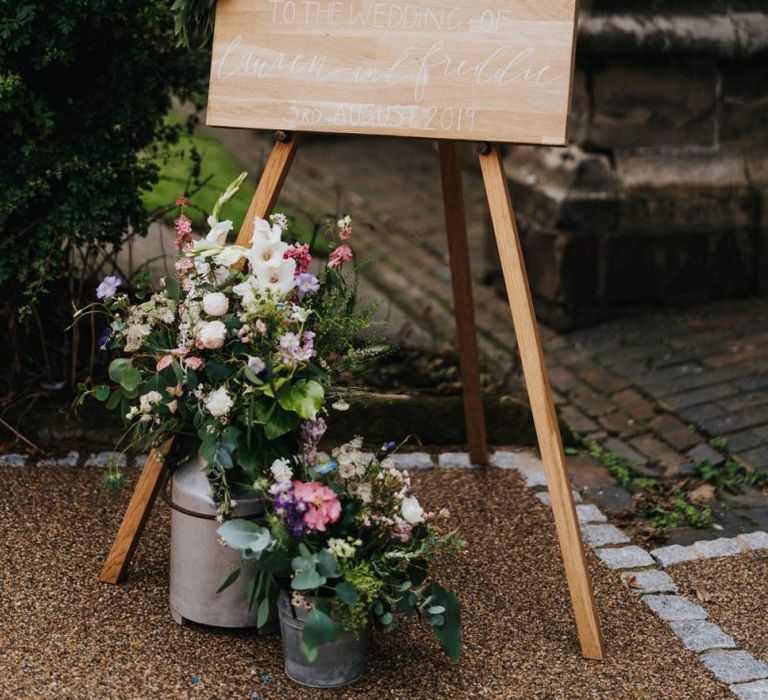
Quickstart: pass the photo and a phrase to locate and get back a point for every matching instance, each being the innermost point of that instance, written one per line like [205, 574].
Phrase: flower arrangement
[236, 351]
[349, 540]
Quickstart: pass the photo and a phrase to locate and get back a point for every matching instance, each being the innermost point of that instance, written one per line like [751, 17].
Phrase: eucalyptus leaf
[346, 593]
[307, 580]
[319, 629]
[263, 613]
[229, 580]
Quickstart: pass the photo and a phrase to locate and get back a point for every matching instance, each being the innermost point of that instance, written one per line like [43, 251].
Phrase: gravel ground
[64, 635]
[734, 591]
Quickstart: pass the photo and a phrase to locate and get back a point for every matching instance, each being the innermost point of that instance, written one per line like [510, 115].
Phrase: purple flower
[256, 364]
[306, 282]
[104, 338]
[313, 430]
[108, 287]
[388, 447]
[290, 510]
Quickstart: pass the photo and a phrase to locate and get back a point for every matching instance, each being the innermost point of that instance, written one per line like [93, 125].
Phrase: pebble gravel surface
[734, 590]
[64, 635]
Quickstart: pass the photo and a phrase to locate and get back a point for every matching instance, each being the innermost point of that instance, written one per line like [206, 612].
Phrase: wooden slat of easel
[529, 343]
[542, 405]
[463, 306]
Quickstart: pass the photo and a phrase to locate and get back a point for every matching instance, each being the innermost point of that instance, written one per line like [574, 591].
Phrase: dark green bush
[84, 87]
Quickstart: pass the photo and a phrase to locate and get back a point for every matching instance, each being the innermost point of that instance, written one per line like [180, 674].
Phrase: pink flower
[163, 362]
[182, 201]
[346, 232]
[299, 253]
[323, 507]
[183, 232]
[194, 363]
[342, 254]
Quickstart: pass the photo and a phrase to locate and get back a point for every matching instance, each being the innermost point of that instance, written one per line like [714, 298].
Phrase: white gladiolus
[265, 232]
[268, 255]
[212, 334]
[215, 303]
[412, 511]
[219, 403]
[277, 280]
[230, 255]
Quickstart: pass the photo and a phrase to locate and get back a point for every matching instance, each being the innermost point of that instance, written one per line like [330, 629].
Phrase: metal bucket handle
[164, 492]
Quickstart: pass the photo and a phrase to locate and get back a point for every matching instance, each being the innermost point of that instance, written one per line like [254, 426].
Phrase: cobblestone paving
[654, 388]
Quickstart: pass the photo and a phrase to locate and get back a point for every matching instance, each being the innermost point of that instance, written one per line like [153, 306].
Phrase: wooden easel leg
[124, 545]
[542, 406]
[136, 515]
[463, 308]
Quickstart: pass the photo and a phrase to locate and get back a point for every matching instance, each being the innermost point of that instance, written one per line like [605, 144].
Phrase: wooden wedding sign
[487, 70]
[490, 71]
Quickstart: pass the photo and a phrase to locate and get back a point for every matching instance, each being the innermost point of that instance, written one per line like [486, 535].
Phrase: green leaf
[304, 551]
[326, 564]
[244, 535]
[449, 633]
[217, 372]
[101, 392]
[229, 580]
[346, 592]
[280, 423]
[307, 580]
[305, 398]
[386, 619]
[114, 399]
[310, 653]
[122, 372]
[319, 629]
[436, 610]
[263, 614]
[172, 288]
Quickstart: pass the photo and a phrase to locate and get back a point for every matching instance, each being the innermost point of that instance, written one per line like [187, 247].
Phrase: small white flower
[148, 400]
[230, 255]
[212, 334]
[265, 232]
[281, 470]
[412, 511]
[215, 303]
[340, 405]
[219, 403]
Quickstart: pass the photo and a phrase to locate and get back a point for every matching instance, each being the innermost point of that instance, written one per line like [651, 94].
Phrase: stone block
[506, 460]
[755, 690]
[754, 540]
[452, 460]
[13, 460]
[101, 460]
[673, 554]
[701, 635]
[674, 608]
[631, 557]
[649, 581]
[603, 534]
[743, 115]
[735, 666]
[653, 103]
[413, 460]
[71, 460]
[588, 513]
[721, 547]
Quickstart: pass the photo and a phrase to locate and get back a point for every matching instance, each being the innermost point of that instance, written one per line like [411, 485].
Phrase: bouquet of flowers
[236, 351]
[349, 540]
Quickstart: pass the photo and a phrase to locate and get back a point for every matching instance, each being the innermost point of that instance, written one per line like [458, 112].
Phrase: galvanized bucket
[339, 663]
[199, 563]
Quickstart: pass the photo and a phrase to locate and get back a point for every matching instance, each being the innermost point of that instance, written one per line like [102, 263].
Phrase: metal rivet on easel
[281, 136]
[483, 148]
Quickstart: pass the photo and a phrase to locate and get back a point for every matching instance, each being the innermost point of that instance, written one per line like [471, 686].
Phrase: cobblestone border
[642, 572]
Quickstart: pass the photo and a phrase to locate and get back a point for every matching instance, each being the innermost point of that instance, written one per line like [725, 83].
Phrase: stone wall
[663, 195]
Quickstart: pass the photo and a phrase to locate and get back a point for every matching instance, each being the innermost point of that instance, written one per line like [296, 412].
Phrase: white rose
[219, 402]
[212, 334]
[215, 303]
[412, 511]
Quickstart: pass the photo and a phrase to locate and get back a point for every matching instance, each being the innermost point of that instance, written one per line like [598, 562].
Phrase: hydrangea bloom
[323, 507]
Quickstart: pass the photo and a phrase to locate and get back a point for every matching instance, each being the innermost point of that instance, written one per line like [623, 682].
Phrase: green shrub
[84, 87]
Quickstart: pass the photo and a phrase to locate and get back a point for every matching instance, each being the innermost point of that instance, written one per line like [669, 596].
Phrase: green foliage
[84, 86]
[730, 476]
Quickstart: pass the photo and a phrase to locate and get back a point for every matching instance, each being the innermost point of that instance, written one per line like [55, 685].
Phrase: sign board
[480, 70]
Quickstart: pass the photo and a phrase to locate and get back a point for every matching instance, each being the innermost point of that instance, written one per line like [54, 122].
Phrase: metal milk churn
[199, 562]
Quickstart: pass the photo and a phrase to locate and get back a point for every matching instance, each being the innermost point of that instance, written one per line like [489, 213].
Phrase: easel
[529, 343]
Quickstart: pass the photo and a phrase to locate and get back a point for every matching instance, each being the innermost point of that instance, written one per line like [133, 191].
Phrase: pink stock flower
[163, 362]
[342, 254]
[346, 232]
[183, 232]
[182, 201]
[299, 253]
[323, 507]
